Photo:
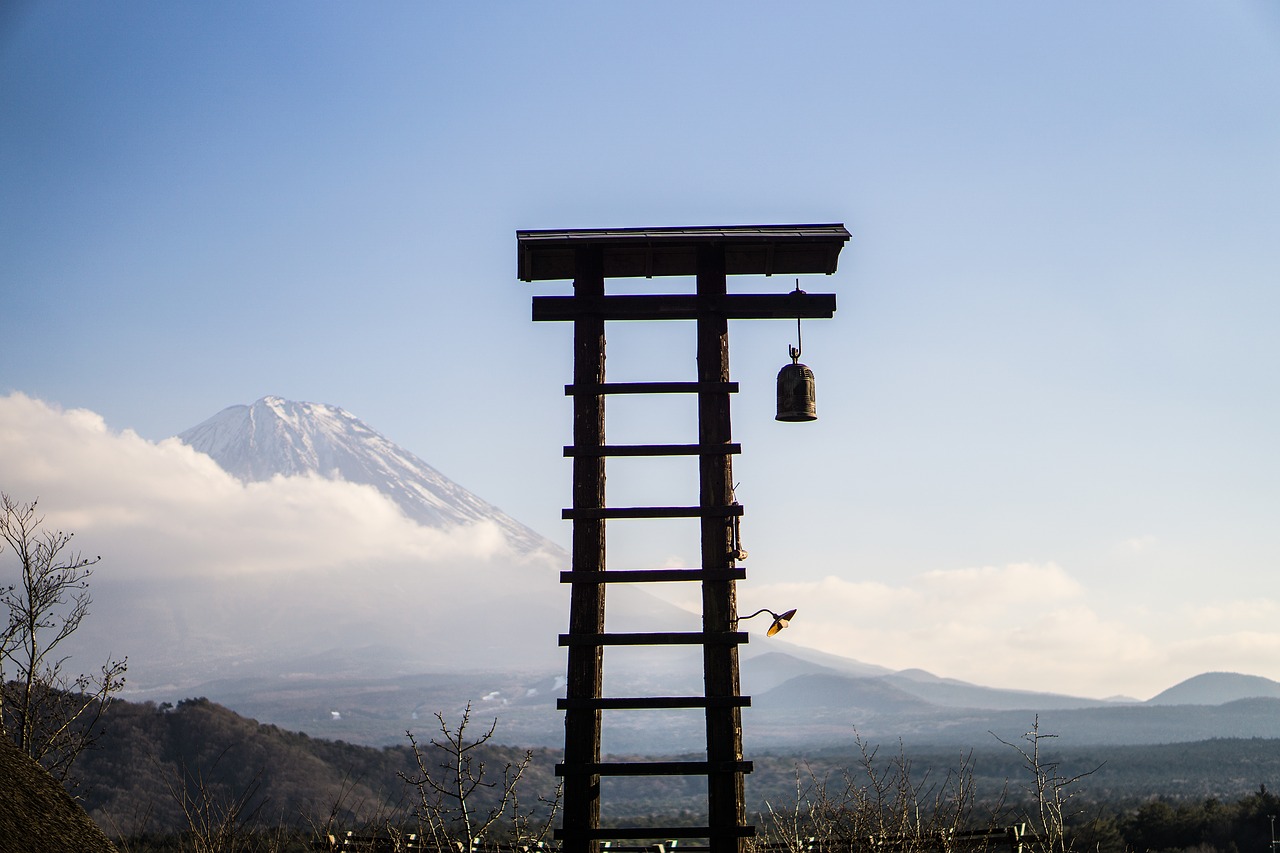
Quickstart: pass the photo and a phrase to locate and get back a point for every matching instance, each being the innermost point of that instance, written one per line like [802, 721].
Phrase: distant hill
[766, 670]
[795, 704]
[153, 754]
[838, 692]
[1217, 688]
[814, 709]
[953, 693]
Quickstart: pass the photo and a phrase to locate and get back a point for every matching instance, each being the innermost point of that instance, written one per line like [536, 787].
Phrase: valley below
[797, 703]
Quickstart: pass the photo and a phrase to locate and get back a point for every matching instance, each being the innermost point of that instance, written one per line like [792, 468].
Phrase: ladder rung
[655, 450]
[645, 702]
[593, 513]
[653, 575]
[651, 388]
[629, 833]
[653, 768]
[673, 638]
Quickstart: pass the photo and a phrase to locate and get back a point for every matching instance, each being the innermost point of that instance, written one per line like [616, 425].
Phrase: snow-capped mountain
[464, 587]
[274, 437]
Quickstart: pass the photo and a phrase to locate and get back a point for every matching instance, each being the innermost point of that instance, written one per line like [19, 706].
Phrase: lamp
[780, 621]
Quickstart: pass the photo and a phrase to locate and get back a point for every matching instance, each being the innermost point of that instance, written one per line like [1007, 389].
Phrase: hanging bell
[795, 393]
[795, 382]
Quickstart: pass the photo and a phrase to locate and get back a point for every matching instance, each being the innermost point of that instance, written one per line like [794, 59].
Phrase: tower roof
[649, 252]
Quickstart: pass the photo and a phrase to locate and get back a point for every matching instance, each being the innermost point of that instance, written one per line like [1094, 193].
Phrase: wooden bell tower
[711, 255]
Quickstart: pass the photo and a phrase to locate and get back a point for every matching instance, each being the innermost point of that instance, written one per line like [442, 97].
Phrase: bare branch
[50, 715]
[1051, 792]
[448, 810]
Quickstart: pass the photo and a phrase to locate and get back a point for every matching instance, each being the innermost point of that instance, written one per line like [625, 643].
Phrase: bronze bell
[795, 394]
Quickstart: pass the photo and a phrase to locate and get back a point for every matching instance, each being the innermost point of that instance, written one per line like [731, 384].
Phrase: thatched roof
[37, 814]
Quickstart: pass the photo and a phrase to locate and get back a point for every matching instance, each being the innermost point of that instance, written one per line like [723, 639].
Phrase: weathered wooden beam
[645, 702]
[651, 388]
[579, 513]
[663, 832]
[585, 677]
[726, 808]
[737, 306]
[648, 252]
[655, 450]
[658, 638]
[653, 575]
[656, 768]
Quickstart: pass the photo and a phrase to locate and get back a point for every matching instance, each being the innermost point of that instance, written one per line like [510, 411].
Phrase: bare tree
[50, 715]
[1051, 792]
[448, 808]
[876, 805]
[222, 818]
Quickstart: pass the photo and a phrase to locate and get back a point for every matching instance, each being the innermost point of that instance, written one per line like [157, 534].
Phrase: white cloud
[161, 508]
[169, 522]
[1031, 626]
[1234, 614]
[1022, 626]
[200, 569]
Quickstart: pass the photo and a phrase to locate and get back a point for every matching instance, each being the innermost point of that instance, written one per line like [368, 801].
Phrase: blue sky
[1046, 447]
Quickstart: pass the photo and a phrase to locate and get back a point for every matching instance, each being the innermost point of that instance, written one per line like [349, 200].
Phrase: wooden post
[725, 793]
[586, 607]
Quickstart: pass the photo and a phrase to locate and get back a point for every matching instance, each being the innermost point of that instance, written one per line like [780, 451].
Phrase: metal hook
[799, 347]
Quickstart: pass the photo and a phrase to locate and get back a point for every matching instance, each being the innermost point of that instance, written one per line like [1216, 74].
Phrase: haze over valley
[289, 561]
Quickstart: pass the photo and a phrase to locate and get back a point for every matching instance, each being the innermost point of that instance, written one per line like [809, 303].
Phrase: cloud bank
[200, 571]
[192, 549]
[1026, 626]
[165, 510]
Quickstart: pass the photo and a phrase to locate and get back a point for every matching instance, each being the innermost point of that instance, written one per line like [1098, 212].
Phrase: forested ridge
[1171, 796]
[153, 756]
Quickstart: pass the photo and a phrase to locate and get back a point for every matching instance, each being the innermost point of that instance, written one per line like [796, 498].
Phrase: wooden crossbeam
[655, 450]
[663, 832]
[658, 638]
[654, 768]
[634, 703]
[650, 388]
[678, 306]
[585, 513]
[653, 575]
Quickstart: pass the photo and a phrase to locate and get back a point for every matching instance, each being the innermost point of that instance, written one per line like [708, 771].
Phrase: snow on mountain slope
[380, 617]
[274, 437]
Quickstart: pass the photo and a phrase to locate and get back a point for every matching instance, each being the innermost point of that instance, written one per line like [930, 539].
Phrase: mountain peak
[278, 437]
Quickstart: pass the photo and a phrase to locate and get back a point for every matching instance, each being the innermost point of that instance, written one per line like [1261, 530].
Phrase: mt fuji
[275, 437]
[310, 546]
